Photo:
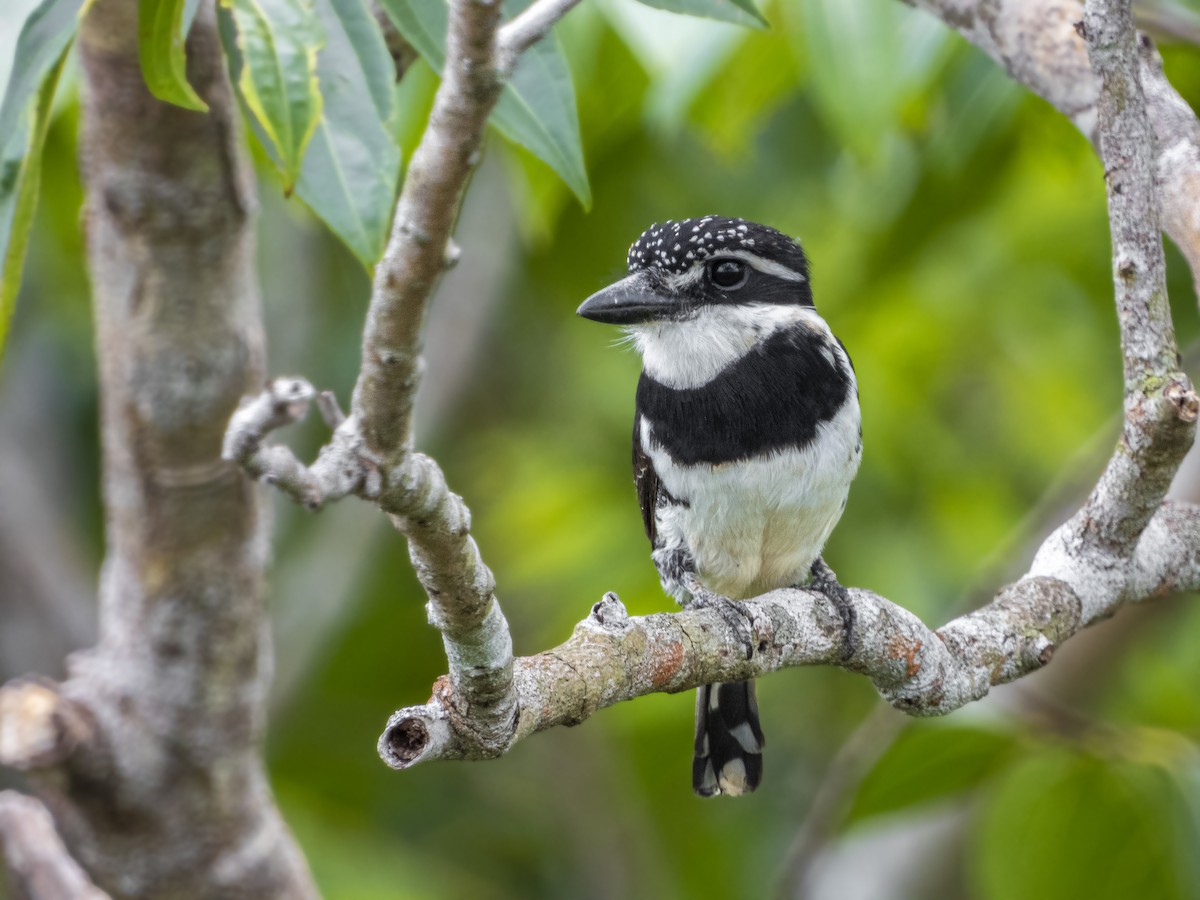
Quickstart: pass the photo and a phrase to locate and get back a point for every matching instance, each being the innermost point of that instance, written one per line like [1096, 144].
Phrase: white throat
[692, 352]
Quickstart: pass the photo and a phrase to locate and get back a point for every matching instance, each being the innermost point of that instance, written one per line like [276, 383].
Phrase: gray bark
[149, 754]
[39, 866]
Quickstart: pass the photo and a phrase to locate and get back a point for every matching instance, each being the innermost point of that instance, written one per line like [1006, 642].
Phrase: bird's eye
[728, 274]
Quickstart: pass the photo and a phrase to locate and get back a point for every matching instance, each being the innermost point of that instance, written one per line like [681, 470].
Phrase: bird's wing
[646, 480]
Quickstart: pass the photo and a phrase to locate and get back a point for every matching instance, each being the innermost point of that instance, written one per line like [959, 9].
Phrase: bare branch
[462, 604]
[1036, 43]
[1160, 405]
[528, 28]
[420, 248]
[40, 868]
[283, 402]
[342, 468]
[436, 522]
[417, 250]
[612, 657]
[371, 452]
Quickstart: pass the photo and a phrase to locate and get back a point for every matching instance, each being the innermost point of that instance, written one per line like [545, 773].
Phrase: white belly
[757, 525]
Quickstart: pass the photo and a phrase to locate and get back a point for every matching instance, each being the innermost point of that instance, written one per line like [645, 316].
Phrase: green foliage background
[960, 248]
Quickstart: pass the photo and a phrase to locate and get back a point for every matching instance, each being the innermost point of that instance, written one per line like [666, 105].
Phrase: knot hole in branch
[610, 612]
[1182, 396]
[407, 740]
[1127, 267]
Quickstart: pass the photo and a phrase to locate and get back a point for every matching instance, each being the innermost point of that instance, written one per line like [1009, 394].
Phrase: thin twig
[39, 865]
[839, 781]
[528, 28]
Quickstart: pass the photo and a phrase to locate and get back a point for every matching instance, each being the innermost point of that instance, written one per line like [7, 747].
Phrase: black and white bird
[747, 434]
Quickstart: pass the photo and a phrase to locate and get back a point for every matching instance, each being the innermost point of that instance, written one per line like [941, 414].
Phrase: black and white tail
[729, 740]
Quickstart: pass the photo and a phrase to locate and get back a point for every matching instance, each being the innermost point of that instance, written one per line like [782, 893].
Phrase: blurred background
[959, 244]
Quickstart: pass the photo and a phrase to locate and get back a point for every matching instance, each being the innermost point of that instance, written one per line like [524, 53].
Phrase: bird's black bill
[631, 301]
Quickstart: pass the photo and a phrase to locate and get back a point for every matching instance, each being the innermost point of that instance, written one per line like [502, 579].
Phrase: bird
[747, 434]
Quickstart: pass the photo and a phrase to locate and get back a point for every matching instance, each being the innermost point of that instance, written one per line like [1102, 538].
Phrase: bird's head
[677, 270]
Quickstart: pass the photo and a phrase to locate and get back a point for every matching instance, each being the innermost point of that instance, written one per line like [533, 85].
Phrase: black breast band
[773, 398]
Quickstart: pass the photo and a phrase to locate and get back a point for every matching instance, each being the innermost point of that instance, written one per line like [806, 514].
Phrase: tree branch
[1036, 43]
[39, 866]
[285, 401]
[612, 657]
[1160, 405]
[528, 28]
[416, 253]
[371, 454]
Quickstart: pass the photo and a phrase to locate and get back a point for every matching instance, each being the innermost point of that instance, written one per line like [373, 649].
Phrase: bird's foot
[736, 614]
[825, 581]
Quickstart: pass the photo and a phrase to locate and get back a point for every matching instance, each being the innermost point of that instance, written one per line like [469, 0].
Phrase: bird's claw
[825, 582]
[736, 614]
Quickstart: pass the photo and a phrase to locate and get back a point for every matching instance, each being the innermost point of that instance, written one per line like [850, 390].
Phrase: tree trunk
[152, 766]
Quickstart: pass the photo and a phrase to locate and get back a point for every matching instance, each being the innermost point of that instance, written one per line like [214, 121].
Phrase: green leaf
[278, 42]
[536, 108]
[1062, 824]
[350, 171]
[348, 175]
[373, 67]
[414, 102]
[739, 12]
[161, 53]
[928, 763]
[423, 24]
[20, 176]
[44, 37]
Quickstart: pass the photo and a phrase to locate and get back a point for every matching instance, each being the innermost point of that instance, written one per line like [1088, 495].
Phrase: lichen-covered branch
[39, 866]
[1160, 404]
[341, 468]
[1037, 44]
[149, 754]
[612, 657]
